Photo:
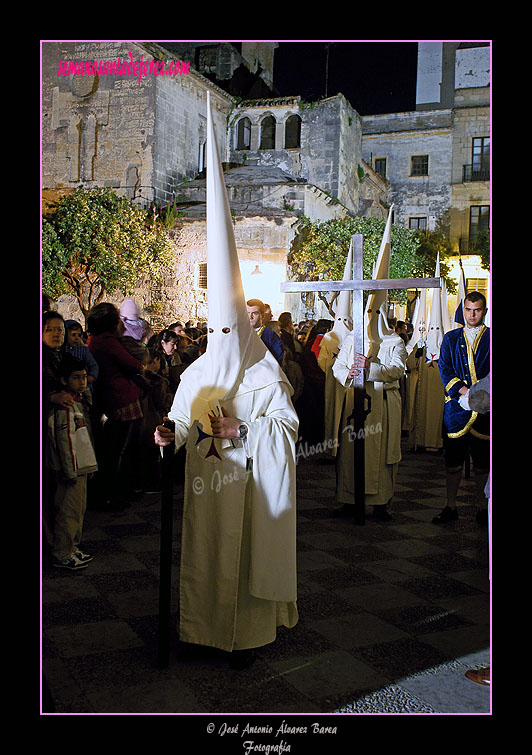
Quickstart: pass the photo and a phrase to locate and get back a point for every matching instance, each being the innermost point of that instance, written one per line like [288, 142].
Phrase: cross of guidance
[358, 285]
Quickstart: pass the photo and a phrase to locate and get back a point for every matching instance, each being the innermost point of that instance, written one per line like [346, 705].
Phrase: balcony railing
[475, 173]
[468, 246]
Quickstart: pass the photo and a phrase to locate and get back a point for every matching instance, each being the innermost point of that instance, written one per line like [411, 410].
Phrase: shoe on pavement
[447, 515]
[83, 557]
[72, 563]
[241, 659]
[480, 676]
[381, 514]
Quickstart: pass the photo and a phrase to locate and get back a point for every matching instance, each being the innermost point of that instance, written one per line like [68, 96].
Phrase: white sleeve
[388, 373]
[341, 367]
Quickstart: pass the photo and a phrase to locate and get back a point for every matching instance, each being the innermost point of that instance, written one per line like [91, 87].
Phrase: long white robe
[430, 395]
[411, 379]
[427, 415]
[382, 431]
[334, 391]
[329, 349]
[238, 553]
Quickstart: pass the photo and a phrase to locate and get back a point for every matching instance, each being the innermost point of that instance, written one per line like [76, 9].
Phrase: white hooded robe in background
[238, 553]
[427, 417]
[382, 428]
[419, 322]
[329, 348]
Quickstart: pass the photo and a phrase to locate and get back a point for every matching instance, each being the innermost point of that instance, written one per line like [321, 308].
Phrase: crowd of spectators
[132, 372]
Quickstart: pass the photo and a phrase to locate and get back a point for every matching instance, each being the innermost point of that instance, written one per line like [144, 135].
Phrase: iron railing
[475, 173]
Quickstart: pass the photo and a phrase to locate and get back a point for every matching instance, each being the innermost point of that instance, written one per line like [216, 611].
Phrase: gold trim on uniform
[477, 339]
[465, 429]
[453, 382]
[471, 350]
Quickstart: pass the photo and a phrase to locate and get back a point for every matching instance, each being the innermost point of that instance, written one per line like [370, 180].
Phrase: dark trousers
[115, 479]
[456, 450]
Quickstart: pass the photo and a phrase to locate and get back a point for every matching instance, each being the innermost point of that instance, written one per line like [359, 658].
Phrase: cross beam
[358, 285]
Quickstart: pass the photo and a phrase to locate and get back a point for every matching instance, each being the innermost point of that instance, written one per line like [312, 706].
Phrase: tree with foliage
[96, 244]
[320, 250]
[481, 246]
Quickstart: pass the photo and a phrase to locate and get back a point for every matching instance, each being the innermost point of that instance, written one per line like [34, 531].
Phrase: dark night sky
[376, 77]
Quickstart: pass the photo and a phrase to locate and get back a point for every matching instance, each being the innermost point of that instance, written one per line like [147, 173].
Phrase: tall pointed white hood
[435, 331]
[236, 359]
[343, 318]
[446, 318]
[375, 321]
[419, 322]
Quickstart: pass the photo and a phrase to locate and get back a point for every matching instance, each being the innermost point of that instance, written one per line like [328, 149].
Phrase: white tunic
[382, 431]
[238, 557]
[427, 415]
[412, 376]
[238, 563]
[334, 390]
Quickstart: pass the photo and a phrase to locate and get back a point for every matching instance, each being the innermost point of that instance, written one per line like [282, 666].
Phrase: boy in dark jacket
[73, 459]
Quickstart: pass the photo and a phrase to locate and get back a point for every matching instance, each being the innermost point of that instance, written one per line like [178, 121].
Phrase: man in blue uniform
[270, 339]
[464, 360]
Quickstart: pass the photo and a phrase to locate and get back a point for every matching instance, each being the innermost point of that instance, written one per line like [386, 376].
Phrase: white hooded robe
[427, 419]
[382, 428]
[329, 348]
[238, 553]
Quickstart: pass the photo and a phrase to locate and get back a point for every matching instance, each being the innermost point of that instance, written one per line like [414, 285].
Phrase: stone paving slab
[391, 614]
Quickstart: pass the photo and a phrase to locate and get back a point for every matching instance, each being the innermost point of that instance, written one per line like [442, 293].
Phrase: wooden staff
[165, 561]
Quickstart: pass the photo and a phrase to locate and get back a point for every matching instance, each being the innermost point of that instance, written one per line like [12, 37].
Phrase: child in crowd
[156, 372]
[75, 347]
[74, 460]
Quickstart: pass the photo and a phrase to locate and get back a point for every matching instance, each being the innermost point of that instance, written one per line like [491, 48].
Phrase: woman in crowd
[118, 401]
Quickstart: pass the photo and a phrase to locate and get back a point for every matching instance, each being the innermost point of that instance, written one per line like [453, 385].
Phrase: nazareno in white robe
[334, 390]
[427, 415]
[329, 349]
[238, 553]
[382, 431]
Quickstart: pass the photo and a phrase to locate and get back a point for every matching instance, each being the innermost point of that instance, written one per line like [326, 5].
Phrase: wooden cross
[358, 285]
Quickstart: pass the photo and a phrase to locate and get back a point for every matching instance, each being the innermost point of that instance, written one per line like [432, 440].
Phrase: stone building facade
[437, 158]
[320, 142]
[140, 135]
[412, 151]
[139, 128]
[267, 205]
[143, 135]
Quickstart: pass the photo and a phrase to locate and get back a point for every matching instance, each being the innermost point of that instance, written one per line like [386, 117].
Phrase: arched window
[267, 133]
[243, 134]
[292, 132]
